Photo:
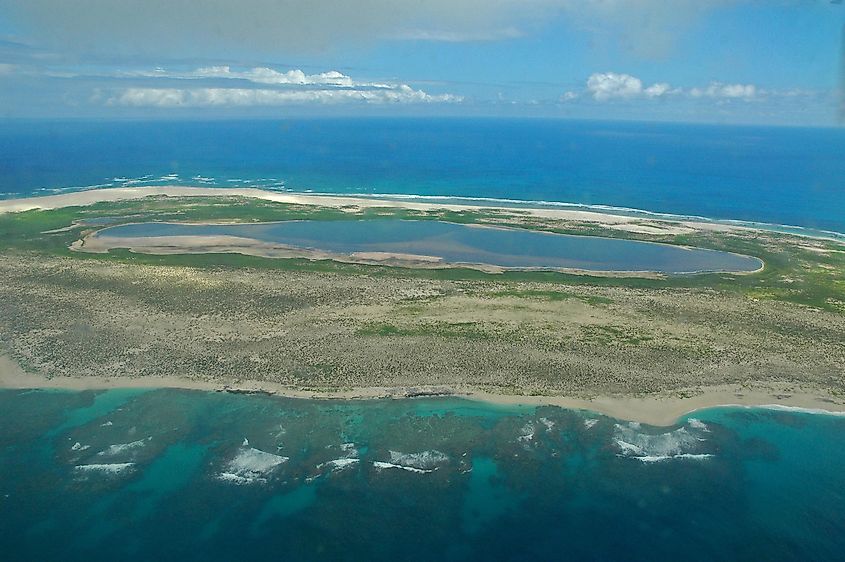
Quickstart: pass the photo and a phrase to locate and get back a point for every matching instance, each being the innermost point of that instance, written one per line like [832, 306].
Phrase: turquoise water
[214, 476]
[460, 243]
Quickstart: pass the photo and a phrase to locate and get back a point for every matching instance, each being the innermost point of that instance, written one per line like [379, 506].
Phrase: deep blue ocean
[787, 176]
[188, 475]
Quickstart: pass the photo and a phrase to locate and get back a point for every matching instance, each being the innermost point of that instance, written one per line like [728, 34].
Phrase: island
[244, 290]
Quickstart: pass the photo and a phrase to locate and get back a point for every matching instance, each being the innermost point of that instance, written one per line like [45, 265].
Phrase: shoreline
[613, 217]
[655, 225]
[660, 410]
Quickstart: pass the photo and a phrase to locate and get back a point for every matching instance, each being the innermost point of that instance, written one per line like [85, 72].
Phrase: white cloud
[657, 90]
[726, 91]
[569, 96]
[288, 87]
[244, 97]
[609, 86]
[259, 75]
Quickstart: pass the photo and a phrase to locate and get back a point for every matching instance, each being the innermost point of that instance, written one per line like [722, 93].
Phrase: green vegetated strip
[794, 272]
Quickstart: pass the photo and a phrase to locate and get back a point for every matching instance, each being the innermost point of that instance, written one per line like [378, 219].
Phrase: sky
[772, 62]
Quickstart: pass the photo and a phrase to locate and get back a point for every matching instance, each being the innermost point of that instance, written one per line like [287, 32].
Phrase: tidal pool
[463, 244]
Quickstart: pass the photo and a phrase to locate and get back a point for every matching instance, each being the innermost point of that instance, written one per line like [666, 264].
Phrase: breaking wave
[250, 466]
[685, 442]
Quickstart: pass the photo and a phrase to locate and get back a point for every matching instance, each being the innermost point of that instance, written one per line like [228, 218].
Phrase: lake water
[459, 243]
[174, 475]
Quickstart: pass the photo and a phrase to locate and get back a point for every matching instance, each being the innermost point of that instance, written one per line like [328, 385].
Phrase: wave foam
[800, 410]
[423, 460]
[337, 465]
[682, 443]
[250, 466]
[387, 465]
[120, 448]
[105, 468]
[697, 424]
[526, 433]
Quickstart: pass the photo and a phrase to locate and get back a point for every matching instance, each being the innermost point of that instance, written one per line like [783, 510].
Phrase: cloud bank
[288, 87]
[609, 86]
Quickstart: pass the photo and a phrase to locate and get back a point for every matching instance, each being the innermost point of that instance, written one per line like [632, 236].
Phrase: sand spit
[607, 220]
[661, 409]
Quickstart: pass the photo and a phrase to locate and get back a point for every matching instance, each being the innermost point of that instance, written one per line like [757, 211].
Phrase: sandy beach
[641, 225]
[657, 410]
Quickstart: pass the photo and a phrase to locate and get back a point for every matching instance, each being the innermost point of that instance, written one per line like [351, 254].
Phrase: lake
[464, 244]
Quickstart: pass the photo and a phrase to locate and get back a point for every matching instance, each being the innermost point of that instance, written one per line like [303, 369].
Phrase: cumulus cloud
[607, 86]
[610, 85]
[278, 88]
[726, 91]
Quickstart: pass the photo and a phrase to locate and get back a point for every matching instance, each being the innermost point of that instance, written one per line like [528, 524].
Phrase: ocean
[783, 176]
[173, 475]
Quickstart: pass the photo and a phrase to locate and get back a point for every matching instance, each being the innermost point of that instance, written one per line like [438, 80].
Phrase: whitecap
[251, 465]
[589, 423]
[422, 460]
[120, 448]
[79, 447]
[526, 433]
[698, 424]
[337, 465]
[105, 468]
[386, 465]
[548, 423]
[689, 456]
[682, 443]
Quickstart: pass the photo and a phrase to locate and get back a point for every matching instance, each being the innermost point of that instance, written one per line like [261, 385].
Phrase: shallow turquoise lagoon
[460, 243]
[171, 474]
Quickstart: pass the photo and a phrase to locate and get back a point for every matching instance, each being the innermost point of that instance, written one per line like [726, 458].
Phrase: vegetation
[325, 324]
[798, 270]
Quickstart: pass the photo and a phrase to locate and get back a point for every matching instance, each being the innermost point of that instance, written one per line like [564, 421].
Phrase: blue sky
[736, 61]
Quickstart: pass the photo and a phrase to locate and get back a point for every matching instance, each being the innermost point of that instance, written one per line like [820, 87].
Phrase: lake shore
[659, 410]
